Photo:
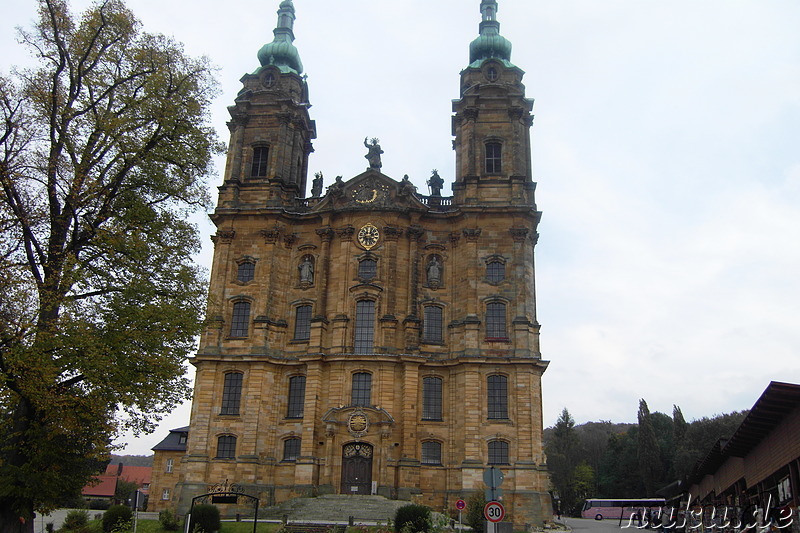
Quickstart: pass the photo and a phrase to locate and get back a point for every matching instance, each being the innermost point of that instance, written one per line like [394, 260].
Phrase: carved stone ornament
[226, 235]
[358, 450]
[358, 423]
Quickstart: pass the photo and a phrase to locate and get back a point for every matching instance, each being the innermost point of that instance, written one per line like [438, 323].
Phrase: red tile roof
[102, 487]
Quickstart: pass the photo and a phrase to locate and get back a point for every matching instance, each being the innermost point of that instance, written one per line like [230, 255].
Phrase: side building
[373, 340]
[167, 456]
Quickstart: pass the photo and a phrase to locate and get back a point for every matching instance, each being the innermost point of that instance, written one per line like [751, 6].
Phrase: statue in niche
[306, 269]
[374, 154]
[434, 271]
[436, 183]
[316, 185]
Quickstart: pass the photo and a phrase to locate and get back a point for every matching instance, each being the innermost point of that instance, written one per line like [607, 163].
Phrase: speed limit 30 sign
[494, 512]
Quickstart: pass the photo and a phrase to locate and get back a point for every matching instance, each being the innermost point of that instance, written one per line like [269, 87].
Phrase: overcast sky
[666, 147]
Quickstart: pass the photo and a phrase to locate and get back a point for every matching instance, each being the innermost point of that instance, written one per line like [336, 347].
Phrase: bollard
[350, 521]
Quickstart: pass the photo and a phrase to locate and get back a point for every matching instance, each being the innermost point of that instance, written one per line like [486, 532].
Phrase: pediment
[369, 191]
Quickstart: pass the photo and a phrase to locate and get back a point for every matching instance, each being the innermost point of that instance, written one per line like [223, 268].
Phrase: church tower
[372, 339]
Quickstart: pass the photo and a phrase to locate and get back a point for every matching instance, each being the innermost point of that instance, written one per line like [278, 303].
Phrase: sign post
[460, 505]
[494, 512]
[493, 478]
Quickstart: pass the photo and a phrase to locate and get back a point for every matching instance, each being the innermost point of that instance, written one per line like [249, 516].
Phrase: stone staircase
[334, 508]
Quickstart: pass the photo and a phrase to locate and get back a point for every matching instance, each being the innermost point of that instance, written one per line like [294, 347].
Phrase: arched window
[497, 391]
[246, 271]
[291, 449]
[496, 321]
[260, 156]
[226, 447]
[240, 319]
[365, 327]
[431, 452]
[432, 330]
[367, 269]
[493, 159]
[432, 398]
[302, 323]
[498, 452]
[231, 393]
[362, 389]
[297, 397]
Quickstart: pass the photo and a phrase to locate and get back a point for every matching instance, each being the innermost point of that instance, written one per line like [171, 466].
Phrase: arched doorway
[357, 468]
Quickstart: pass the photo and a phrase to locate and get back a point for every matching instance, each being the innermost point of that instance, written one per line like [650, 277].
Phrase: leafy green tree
[104, 150]
[648, 451]
[124, 490]
[561, 448]
[583, 482]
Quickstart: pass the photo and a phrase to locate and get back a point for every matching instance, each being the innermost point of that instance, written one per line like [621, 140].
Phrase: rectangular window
[302, 323]
[291, 449]
[362, 385]
[365, 327]
[496, 321]
[240, 319]
[226, 447]
[260, 154]
[170, 464]
[231, 393]
[498, 452]
[297, 397]
[498, 397]
[432, 398]
[493, 160]
[432, 324]
[431, 453]
[165, 494]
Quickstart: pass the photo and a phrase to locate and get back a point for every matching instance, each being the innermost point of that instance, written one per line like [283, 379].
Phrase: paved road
[583, 525]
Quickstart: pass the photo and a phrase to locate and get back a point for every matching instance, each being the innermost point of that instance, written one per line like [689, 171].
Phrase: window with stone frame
[260, 157]
[165, 494]
[432, 398]
[231, 393]
[367, 269]
[493, 157]
[498, 452]
[495, 271]
[170, 465]
[291, 449]
[246, 271]
[361, 389]
[497, 400]
[297, 397]
[226, 447]
[364, 327]
[240, 319]
[432, 324]
[431, 452]
[302, 323]
[496, 321]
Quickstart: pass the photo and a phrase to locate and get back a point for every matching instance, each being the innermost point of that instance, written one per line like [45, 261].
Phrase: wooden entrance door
[357, 468]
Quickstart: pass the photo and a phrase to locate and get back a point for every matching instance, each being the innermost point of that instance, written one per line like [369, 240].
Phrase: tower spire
[489, 44]
[281, 52]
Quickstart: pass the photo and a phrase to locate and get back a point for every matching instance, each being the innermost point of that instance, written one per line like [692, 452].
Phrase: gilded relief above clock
[368, 236]
[369, 193]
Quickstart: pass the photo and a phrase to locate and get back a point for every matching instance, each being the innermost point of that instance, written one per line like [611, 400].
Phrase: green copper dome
[489, 44]
[281, 52]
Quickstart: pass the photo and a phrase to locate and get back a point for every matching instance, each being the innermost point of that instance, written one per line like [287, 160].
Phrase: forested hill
[608, 460]
[132, 460]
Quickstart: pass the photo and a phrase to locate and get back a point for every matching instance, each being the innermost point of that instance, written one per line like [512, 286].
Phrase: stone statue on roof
[374, 154]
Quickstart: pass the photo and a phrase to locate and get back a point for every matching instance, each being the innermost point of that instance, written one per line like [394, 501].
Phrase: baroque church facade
[370, 339]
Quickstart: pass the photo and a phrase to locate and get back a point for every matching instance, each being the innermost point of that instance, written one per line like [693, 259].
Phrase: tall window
[496, 320]
[165, 494]
[170, 465]
[432, 398]
[432, 324]
[291, 449]
[260, 154]
[362, 386]
[226, 447]
[302, 323]
[367, 269]
[495, 271]
[231, 393]
[431, 452]
[497, 387]
[246, 271]
[493, 158]
[498, 452]
[297, 397]
[365, 326]
[240, 319]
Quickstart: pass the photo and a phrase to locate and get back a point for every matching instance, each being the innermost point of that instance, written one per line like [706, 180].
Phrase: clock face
[368, 236]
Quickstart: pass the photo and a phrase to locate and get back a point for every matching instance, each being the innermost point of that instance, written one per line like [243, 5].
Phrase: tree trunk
[16, 515]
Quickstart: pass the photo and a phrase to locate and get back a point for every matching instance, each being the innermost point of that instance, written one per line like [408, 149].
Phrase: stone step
[335, 508]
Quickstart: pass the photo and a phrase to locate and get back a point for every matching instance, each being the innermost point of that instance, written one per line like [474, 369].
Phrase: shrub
[168, 520]
[205, 517]
[75, 519]
[115, 515]
[412, 518]
[99, 505]
[475, 504]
